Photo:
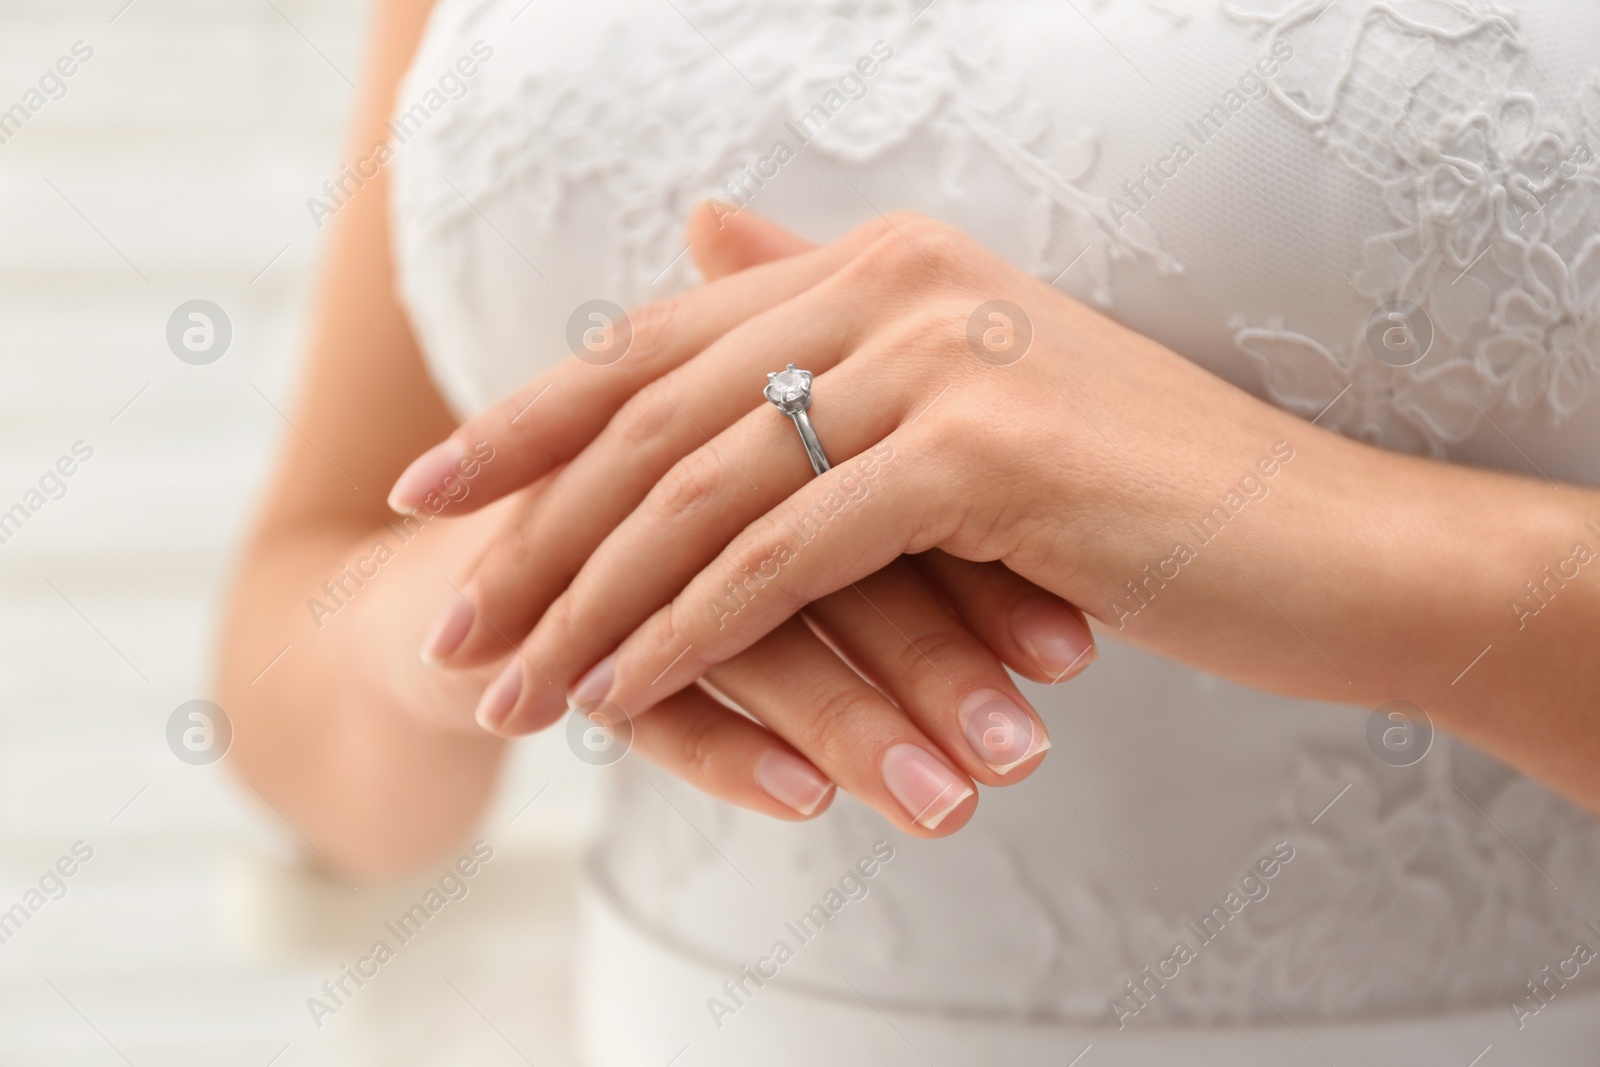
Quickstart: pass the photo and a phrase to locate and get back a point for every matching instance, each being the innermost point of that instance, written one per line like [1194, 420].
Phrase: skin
[1357, 575]
[374, 756]
[1386, 574]
[327, 735]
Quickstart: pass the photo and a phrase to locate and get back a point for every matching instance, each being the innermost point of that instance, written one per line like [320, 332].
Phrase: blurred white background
[176, 167]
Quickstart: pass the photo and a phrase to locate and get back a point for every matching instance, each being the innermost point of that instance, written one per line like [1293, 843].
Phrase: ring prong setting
[789, 390]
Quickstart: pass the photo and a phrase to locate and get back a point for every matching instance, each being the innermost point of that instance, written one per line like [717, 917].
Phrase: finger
[1036, 633]
[515, 441]
[725, 240]
[955, 689]
[516, 581]
[704, 502]
[854, 735]
[844, 542]
[726, 755]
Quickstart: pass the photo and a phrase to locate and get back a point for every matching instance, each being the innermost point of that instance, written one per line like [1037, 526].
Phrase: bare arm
[348, 733]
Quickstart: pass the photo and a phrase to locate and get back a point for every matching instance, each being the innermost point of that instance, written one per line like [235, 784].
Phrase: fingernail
[448, 631]
[427, 474]
[594, 685]
[1055, 636]
[792, 781]
[501, 696]
[925, 787]
[1001, 733]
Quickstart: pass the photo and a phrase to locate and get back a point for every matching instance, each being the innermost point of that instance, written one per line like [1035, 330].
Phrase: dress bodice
[1258, 184]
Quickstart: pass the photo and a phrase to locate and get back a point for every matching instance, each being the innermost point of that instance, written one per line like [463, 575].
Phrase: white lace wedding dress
[1427, 151]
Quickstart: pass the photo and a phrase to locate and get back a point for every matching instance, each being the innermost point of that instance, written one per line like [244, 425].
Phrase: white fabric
[1430, 151]
[641, 1001]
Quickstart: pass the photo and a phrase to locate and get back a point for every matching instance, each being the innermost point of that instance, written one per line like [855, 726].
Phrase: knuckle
[885, 225]
[940, 652]
[500, 416]
[903, 219]
[515, 550]
[700, 753]
[691, 483]
[501, 578]
[976, 422]
[640, 421]
[669, 637]
[828, 728]
[559, 619]
[919, 249]
[655, 326]
[508, 587]
[891, 255]
[756, 566]
[921, 344]
[937, 241]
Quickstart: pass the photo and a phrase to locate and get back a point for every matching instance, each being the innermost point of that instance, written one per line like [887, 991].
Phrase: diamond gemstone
[790, 385]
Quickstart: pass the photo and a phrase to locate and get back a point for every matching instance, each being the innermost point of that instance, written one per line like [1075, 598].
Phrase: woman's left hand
[966, 407]
[970, 408]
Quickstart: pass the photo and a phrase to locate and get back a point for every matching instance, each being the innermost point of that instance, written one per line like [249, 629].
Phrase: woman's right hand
[943, 711]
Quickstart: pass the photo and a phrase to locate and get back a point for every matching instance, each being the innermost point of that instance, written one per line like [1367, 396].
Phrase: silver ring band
[808, 437]
[789, 391]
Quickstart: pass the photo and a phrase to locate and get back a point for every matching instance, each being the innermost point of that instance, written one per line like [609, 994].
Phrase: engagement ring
[790, 392]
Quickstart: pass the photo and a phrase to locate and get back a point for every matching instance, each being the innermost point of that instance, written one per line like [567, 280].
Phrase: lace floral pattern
[556, 133]
[1442, 886]
[1438, 887]
[1456, 859]
[1451, 863]
[1495, 203]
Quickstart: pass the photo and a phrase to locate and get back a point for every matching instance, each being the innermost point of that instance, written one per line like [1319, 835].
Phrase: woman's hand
[954, 394]
[1199, 521]
[944, 708]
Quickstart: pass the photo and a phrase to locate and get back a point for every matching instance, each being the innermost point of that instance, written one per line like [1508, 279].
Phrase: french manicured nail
[1055, 636]
[792, 782]
[427, 474]
[501, 696]
[448, 631]
[594, 685]
[925, 787]
[1001, 733]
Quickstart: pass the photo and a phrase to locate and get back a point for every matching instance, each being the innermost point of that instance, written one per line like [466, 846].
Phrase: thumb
[725, 240]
